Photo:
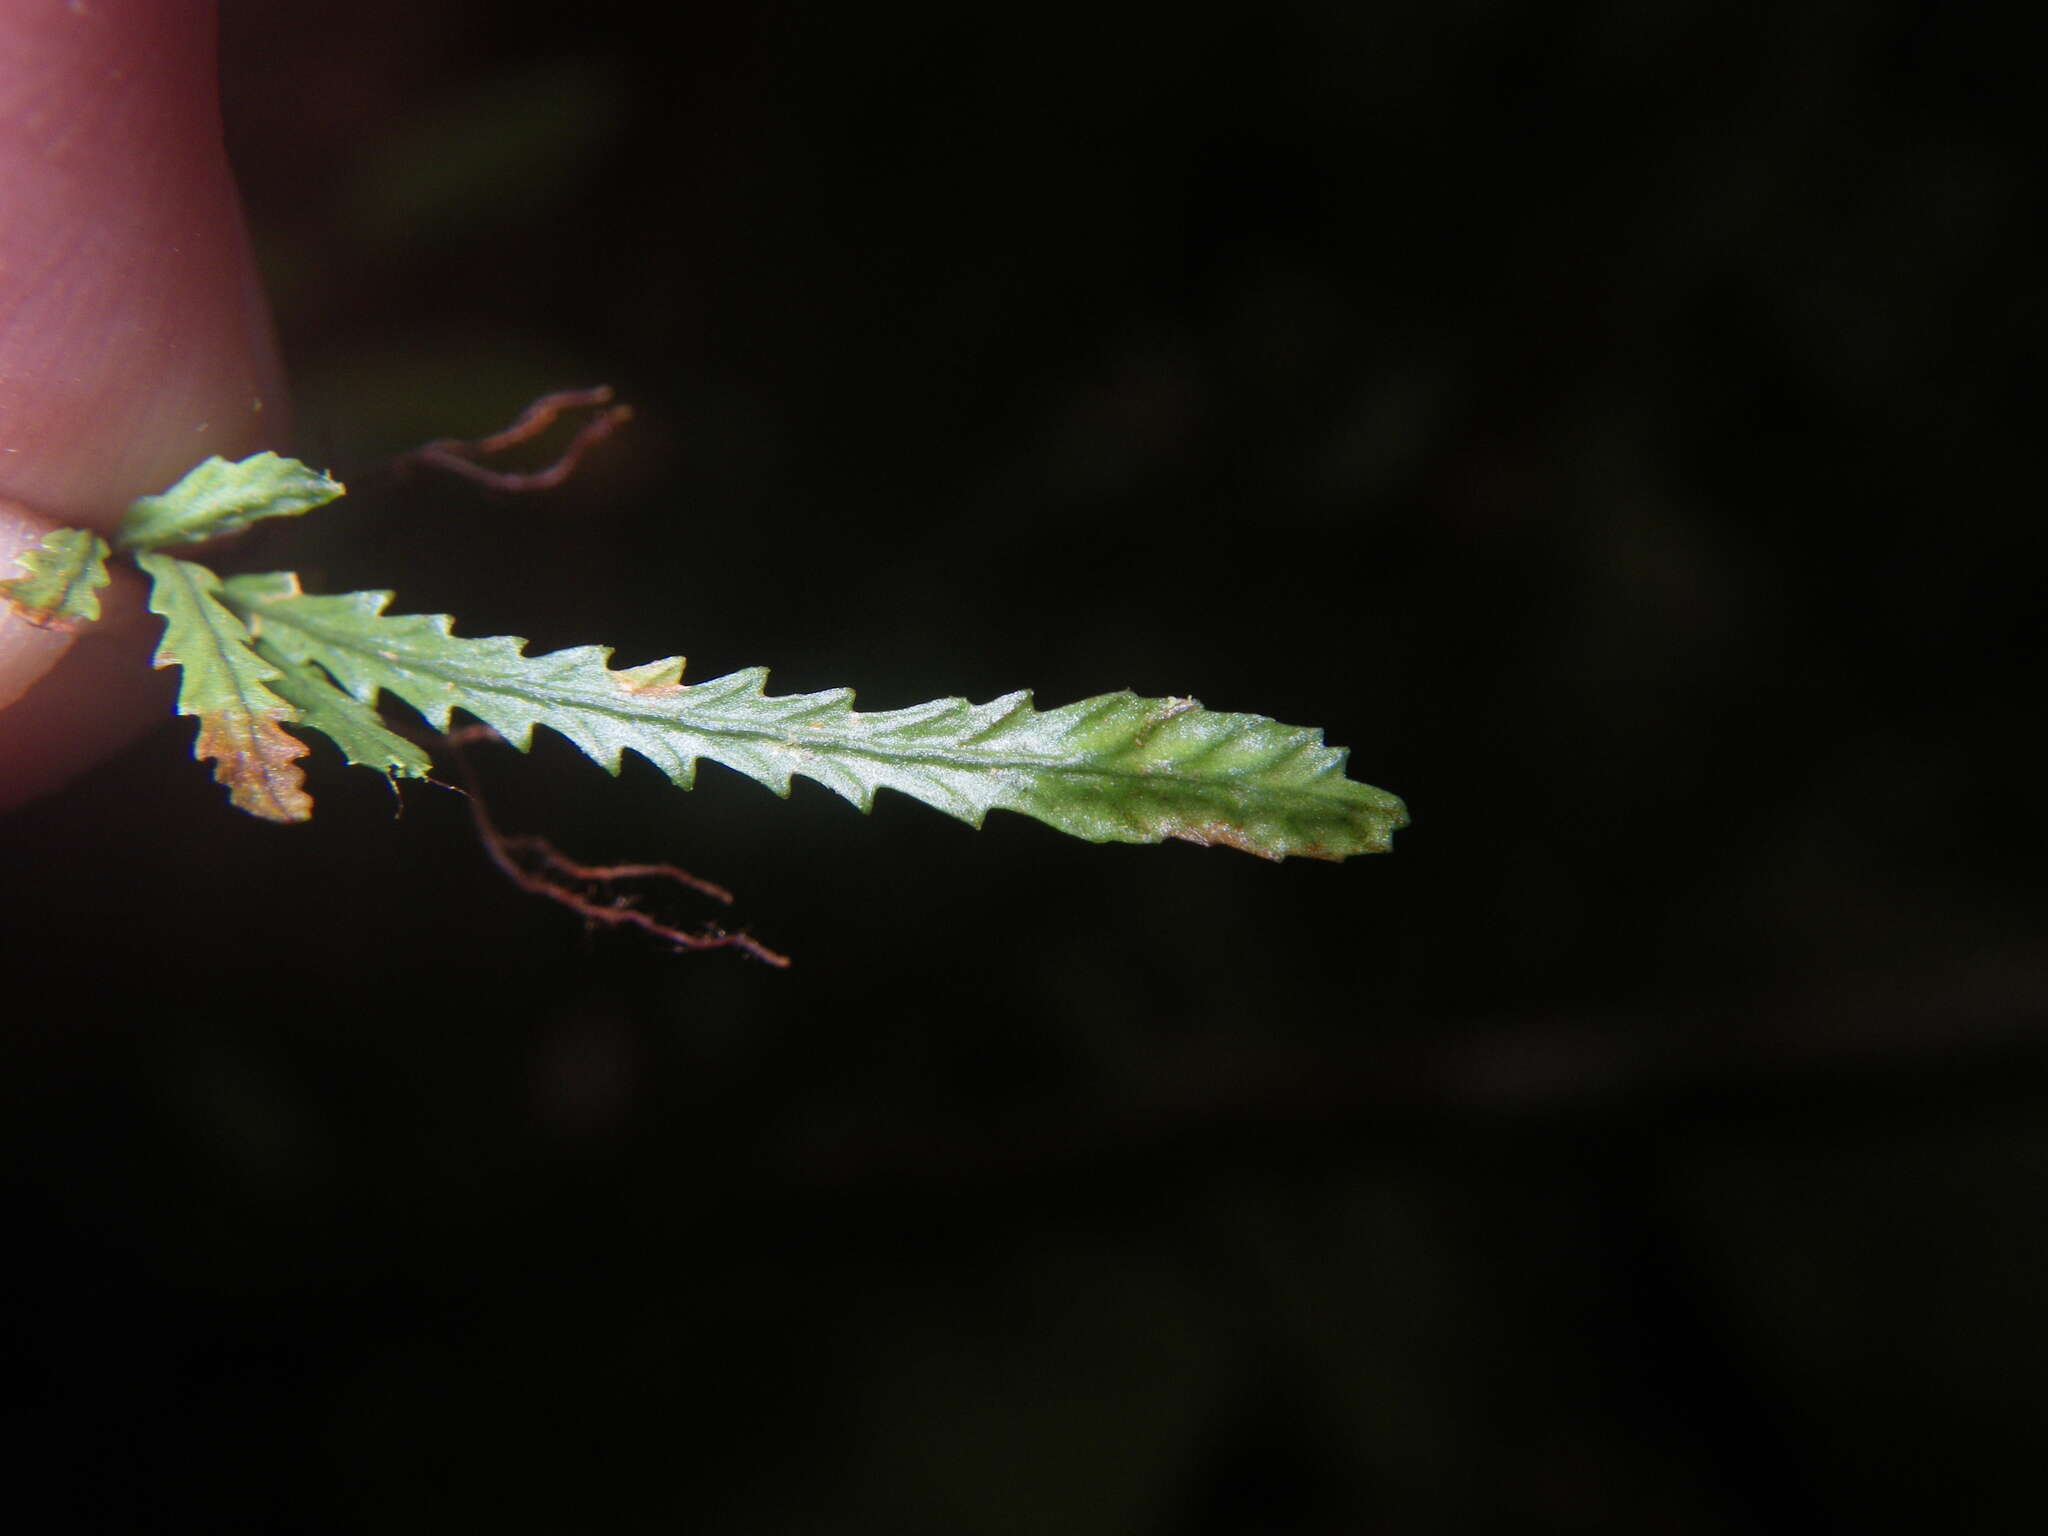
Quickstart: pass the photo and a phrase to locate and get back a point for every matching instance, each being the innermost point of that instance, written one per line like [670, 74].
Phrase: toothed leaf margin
[220, 497]
[227, 685]
[1118, 768]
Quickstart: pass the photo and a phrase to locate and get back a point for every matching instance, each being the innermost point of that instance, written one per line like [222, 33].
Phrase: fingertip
[68, 699]
[26, 650]
[134, 340]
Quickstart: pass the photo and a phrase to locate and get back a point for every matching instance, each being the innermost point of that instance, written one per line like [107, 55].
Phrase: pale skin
[134, 340]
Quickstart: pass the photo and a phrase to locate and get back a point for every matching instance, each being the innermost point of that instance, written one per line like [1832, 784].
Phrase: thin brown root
[548, 856]
[459, 456]
[538, 868]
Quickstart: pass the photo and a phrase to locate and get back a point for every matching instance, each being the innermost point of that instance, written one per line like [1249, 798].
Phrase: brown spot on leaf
[654, 679]
[258, 761]
[42, 616]
[1225, 834]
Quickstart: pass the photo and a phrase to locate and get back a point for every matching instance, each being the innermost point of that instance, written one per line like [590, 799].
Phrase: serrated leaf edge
[224, 683]
[1112, 768]
[220, 496]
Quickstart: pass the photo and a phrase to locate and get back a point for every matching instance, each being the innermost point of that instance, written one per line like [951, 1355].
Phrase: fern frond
[227, 685]
[1117, 768]
[219, 497]
[60, 581]
[351, 726]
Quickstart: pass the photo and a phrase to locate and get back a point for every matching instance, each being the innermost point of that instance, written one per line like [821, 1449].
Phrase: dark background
[1619, 424]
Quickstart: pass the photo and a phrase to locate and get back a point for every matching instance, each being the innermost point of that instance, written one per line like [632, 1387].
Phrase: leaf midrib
[1325, 785]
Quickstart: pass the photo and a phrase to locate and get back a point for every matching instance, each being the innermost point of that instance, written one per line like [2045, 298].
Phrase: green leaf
[66, 569]
[363, 738]
[219, 497]
[1113, 769]
[226, 684]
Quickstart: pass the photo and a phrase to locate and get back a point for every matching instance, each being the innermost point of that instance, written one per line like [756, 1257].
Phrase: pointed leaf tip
[353, 727]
